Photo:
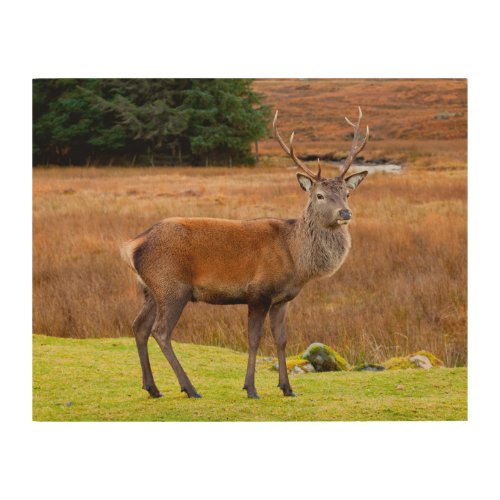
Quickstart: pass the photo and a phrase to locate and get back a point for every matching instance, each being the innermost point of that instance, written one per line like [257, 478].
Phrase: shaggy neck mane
[323, 249]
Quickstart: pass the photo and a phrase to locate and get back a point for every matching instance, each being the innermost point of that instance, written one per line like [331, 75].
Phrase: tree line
[146, 121]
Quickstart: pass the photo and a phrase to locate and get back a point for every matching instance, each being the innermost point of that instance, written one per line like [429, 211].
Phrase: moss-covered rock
[369, 367]
[308, 368]
[420, 359]
[398, 363]
[296, 361]
[324, 358]
[435, 362]
[421, 362]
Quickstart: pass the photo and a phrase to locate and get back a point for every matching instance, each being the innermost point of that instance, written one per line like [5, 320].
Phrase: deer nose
[345, 214]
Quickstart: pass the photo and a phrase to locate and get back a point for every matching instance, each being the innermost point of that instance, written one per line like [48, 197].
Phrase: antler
[290, 152]
[355, 148]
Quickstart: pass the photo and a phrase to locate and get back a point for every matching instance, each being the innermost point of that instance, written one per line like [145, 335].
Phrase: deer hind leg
[277, 315]
[142, 330]
[167, 315]
[256, 316]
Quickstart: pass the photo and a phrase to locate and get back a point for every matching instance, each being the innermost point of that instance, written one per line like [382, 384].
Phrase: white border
[258, 39]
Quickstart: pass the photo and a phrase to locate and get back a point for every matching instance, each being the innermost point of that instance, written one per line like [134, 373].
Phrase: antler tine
[290, 151]
[355, 148]
[319, 169]
[277, 135]
[310, 173]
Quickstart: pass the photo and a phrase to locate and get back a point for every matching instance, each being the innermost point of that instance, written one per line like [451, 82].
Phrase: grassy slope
[101, 378]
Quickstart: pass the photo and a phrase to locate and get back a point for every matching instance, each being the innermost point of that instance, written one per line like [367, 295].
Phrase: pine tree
[198, 121]
[147, 111]
[67, 129]
[226, 118]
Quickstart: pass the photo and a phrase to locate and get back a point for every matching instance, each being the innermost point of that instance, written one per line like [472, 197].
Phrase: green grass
[100, 380]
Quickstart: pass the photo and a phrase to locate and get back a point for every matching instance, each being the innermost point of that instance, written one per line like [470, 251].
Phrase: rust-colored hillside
[420, 122]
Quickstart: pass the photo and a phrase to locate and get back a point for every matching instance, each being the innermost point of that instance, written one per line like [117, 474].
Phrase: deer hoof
[251, 393]
[191, 393]
[153, 391]
[287, 390]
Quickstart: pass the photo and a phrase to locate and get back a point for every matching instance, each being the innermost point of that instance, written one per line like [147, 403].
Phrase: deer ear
[354, 180]
[306, 183]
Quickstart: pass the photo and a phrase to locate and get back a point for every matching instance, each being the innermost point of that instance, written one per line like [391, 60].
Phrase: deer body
[262, 262]
[272, 260]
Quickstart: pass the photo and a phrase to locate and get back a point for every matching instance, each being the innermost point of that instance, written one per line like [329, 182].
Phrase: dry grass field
[403, 287]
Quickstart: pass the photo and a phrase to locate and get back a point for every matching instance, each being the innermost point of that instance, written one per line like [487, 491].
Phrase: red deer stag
[262, 262]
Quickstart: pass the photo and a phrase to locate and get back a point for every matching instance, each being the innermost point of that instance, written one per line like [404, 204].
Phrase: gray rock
[309, 368]
[421, 362]
[297, 370]
[369, 367]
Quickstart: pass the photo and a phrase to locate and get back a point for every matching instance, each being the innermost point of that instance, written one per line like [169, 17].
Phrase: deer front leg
[278, 327]
[256, 315]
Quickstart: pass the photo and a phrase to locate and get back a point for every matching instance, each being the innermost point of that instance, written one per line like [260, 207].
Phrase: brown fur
[222, 261]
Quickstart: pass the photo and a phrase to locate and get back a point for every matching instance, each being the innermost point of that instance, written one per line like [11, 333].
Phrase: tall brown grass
[403, 287]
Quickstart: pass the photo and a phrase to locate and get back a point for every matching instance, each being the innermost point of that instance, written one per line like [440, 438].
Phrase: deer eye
[320, 196]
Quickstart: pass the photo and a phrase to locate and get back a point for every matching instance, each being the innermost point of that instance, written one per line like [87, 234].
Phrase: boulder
[435, 362]
[421, 362]
[398, 363]
[296, 361]
[369, 367]
[324, 358]
[420, 359]
[297, 370]
[308, 368]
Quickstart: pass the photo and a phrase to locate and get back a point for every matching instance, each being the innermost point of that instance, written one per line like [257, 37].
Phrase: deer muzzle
[345, 215]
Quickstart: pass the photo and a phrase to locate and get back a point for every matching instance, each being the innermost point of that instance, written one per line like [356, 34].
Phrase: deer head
[328, 197]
